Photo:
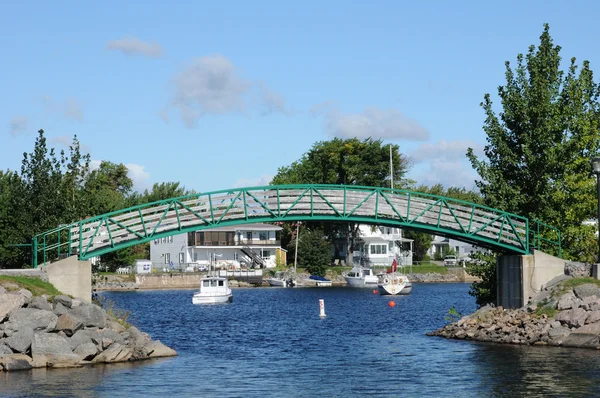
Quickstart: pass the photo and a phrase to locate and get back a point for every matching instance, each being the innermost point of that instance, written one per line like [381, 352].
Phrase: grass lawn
[34, 285]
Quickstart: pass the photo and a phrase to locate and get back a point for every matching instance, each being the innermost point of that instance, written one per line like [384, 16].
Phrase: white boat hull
[361, 282]
[393, 284]
[213, 290]
[361, 277]
[216, 299]
[276, 282]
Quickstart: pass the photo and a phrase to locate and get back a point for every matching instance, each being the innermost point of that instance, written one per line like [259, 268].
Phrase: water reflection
[510, 370]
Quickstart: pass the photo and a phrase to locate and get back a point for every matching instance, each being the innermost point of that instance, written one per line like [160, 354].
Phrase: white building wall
[172, 249]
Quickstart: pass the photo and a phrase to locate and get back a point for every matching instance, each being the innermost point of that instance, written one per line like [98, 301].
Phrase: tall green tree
[348, 162]
[14, 221]
[314, 251]
[77, 167]
[42, 175]
[106, 188]
[539, 146]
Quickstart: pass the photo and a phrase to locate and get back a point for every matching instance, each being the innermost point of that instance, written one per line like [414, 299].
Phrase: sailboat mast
[391, 169]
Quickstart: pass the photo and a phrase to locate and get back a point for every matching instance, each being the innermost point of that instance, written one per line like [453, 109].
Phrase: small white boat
[393, 284]
[320, 281]
[213, 290]
[279, 280]
[361, 277]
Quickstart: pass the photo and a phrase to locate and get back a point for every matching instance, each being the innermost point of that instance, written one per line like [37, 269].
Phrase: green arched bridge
[480, 225]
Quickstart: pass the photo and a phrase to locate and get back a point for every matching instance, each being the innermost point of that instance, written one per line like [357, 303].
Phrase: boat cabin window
[213, 283]
[220, 283]
[206, 283]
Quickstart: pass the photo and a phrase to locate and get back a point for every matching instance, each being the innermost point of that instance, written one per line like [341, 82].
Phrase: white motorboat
[279, 280]
[394, 282]
[361, 277]
[213, 290]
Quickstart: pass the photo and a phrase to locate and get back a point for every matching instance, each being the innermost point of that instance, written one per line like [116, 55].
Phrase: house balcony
[240, 243]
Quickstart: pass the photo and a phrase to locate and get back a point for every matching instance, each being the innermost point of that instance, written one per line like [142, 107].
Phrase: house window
[266, 254]
[167, 258]
[249, 236]
[181, 258]
[235, 256]
[379, 249]
[262, 236]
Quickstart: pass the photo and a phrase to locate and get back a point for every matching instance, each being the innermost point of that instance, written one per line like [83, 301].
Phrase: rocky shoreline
[59, 332]
[565, 313]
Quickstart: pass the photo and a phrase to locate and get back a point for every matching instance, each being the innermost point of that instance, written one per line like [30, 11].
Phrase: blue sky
[220, 94]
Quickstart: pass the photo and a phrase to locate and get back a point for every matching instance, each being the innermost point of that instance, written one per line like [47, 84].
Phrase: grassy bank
[34, 285]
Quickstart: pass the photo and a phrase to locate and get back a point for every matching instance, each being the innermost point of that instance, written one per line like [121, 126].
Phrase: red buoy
[375, 291]
[391, 304]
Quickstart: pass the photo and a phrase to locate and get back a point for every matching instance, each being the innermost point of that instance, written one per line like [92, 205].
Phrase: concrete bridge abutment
[71, 276]
[520, 277]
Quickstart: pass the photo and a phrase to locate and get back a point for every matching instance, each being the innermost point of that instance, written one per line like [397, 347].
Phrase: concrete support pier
[520, 277]
[71, 276]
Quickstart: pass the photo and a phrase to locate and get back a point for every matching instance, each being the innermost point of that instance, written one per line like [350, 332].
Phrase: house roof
[247, 227]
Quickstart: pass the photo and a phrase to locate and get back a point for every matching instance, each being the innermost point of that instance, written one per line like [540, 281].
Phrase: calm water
[271, 342]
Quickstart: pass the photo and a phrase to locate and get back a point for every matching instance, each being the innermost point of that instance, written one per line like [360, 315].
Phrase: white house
[251, 245]
[380, 245]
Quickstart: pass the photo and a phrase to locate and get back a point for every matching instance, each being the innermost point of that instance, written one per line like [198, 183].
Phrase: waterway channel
[271, 342]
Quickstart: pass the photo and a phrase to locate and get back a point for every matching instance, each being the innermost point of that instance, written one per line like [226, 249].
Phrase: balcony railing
[243, 242]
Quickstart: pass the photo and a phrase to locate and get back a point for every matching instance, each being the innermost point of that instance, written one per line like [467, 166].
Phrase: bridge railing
[406, 209]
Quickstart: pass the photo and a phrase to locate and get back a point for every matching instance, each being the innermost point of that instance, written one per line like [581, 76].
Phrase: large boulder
[573, 318]
[40, 303]
[12, 362]
[50, 343]
[578, 270]
[86, 351]
[34, 318]
[155, 349]
[4, 349]
[60, 309]
[91, 315]
[135, 338]
[27, 294]
[83, 337]
[9, 303]
[21, 340]
[68, 324]
[111, 335]
[115, 353]
[64, 300]
[55, 348]
[586, 290]
[585, 336]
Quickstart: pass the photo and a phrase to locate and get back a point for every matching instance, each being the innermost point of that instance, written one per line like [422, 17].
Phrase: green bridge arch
[465, 221]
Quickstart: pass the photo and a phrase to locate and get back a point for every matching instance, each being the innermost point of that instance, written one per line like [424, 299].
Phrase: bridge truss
[480, 225]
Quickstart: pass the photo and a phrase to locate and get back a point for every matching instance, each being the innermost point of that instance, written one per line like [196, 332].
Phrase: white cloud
[253, 182]
[135, 46]
[210, 85]
[444, 150]
[139, 176]
[371, 122]
[213, 85]
[70, 109]
[18, 125]
[67, 141]
[273, 102]
[445, 162]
